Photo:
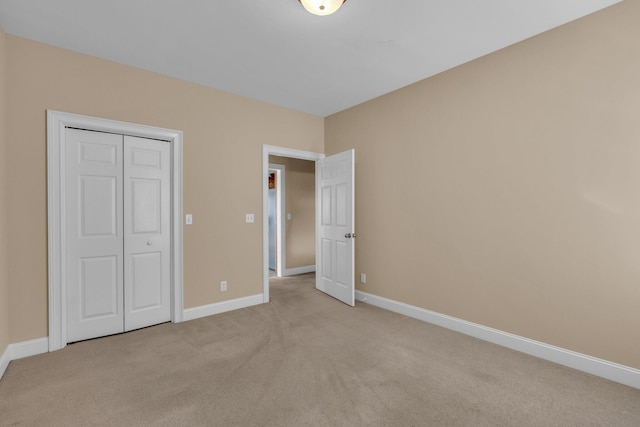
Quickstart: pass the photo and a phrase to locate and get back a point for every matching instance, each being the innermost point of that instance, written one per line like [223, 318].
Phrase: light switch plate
[189, 219]
[250, 218]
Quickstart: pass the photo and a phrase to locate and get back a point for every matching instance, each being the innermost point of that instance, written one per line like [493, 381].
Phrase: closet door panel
[147, 195]
[94, 234]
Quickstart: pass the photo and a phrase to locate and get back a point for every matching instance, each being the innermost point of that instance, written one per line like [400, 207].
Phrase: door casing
[56, 123]
[281, 253]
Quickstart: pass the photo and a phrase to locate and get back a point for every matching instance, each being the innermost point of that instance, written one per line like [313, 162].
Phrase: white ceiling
[275, 51]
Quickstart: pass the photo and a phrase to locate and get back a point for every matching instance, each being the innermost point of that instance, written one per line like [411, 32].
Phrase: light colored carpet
[305, 359]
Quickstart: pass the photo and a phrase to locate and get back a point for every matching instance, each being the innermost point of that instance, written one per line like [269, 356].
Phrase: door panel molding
[57, 122]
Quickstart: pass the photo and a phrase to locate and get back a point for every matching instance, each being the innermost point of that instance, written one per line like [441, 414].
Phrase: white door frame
[281, 253]
[272, 150]
[56, 123]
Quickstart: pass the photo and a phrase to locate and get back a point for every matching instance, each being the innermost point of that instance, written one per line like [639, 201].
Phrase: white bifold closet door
[117, 234]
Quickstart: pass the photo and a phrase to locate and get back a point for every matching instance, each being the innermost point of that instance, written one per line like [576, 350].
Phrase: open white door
[336, 226]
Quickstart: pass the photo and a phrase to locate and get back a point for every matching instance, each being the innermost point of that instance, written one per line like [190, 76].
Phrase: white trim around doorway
[271, 150]
[56, 123]
[281, 253]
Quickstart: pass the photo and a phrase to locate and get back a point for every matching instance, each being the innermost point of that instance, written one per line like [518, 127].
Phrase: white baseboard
[221, 307]
[22, 349]
[299, 270]
[4, 361]
[29, 348]
[582, 362]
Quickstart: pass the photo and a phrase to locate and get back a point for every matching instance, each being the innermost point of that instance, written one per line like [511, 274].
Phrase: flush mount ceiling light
[322, 7]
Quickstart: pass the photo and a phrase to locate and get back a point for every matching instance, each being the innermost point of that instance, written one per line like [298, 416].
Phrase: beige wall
[4, 284]
[507, 191]
[300, 193]
[223, 137]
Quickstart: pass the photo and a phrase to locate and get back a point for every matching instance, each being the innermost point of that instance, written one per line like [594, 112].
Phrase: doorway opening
[284, 217]
[334, 209]
[292, 234]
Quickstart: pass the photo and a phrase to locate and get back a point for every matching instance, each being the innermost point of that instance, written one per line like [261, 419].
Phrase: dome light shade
[322, 7]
